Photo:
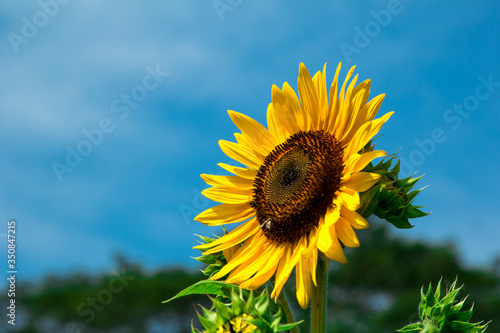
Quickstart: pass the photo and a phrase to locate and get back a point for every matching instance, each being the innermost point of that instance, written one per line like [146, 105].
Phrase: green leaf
[203, 287]
[288, 327]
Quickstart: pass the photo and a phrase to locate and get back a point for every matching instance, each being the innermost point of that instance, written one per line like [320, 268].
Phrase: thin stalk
[318, 306]
[289, 317]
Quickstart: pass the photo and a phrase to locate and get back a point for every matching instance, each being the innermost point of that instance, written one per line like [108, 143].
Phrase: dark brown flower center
[296, 184]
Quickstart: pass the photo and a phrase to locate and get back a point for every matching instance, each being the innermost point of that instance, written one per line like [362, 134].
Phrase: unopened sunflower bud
[242, 315]
[391, 198]
[443, 315]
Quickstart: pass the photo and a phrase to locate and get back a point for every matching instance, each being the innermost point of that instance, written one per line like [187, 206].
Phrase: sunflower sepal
[215, 261]
[413, 328]
[391, 199]
[212, 269]
[443, 315]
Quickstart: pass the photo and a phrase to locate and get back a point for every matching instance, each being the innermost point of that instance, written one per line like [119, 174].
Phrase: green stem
[318, 306]
[288, 313]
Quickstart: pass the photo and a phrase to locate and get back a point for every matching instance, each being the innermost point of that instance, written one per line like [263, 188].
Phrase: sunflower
[299, 190]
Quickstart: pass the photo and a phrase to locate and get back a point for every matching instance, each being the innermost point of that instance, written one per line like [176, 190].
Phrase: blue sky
[150, 83]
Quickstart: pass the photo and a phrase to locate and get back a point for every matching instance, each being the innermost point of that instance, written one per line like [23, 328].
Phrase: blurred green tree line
[377, 291]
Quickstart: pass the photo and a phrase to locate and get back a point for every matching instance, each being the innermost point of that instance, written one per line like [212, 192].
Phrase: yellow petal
[260, 151]
[303, 282]
[333, 103]
[301, 116]
[356, 111]
[364, 89]
[373, 106]
[377, 125]
[244, 272]
[346, 234]
[231, 195]
[237, 236]
[355, 220]
[365, 133]
[349, 162]
[240, 154]
[231, 181]
[229, 252]
[250, 251]
[285, 114]
[349, 197]
[363, 160]
[312, 240]
[242, 172]
[308, 96]
[288, 248]
[267, 270]
[348, 110]
[332, 216]
[328, 243]
[353, 146]
[225, 213]
[361, 181]
[342, 115]
[313, 261]
[253, 130]
[293, 257]
[274, 125]
[319, 81]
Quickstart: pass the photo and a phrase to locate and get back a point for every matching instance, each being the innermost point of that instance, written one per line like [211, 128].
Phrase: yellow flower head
[298, 193]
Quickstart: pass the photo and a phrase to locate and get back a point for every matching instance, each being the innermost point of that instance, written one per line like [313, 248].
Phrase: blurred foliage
[377, 291]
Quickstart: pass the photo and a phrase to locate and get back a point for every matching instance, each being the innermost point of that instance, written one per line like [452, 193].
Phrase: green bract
[214, 261]
[442, 315]
[391, 198]
[242, 315]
